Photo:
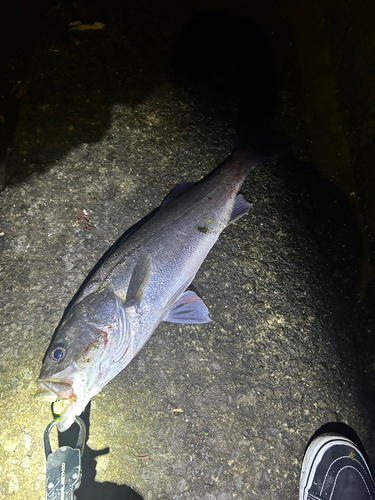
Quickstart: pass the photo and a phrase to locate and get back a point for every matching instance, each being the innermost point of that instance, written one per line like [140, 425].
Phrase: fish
[143, 279]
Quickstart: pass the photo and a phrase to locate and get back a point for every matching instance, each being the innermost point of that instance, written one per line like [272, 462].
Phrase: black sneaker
[335, 469]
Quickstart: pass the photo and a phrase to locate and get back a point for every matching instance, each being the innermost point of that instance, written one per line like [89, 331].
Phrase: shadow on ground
[89, 488]
[76, 77]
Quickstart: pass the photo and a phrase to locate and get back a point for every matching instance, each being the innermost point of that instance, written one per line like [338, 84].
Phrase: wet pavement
[110, 120]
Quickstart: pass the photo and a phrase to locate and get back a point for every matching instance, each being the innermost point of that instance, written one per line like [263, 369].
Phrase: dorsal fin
[176, 191]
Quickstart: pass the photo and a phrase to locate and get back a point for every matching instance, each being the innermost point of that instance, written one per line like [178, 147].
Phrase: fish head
[88, 347]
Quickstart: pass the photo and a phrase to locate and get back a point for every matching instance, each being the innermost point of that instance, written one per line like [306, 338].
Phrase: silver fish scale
[145, 279]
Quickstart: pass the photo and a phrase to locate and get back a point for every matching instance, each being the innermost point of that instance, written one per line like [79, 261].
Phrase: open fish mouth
[52, 390]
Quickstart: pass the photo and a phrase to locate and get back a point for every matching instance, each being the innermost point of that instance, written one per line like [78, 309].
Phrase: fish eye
[58, 353]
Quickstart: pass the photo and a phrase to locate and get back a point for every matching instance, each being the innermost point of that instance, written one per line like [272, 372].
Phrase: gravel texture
[209, 412]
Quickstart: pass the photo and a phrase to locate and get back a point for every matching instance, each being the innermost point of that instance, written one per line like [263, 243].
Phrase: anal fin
[241, 207]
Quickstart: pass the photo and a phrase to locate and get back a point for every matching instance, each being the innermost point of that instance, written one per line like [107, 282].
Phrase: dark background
[305, 68]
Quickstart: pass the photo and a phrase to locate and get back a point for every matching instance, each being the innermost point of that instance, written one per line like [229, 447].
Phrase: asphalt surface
[110, 121]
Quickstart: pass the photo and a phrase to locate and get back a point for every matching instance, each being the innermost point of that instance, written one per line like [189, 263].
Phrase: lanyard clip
[64, 469]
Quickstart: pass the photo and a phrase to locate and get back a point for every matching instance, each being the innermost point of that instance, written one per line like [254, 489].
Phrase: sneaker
[335, 469]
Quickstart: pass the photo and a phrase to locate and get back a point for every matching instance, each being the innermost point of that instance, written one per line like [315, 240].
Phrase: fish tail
[258, 141]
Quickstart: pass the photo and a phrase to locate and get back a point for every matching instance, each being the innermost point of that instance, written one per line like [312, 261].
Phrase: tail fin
[262, 143]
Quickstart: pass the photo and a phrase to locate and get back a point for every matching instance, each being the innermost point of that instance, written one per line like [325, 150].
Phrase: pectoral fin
[138, 282]
[241, 207]
[189, 308]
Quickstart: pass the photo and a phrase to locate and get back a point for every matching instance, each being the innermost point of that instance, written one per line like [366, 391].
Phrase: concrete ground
[110, 120]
